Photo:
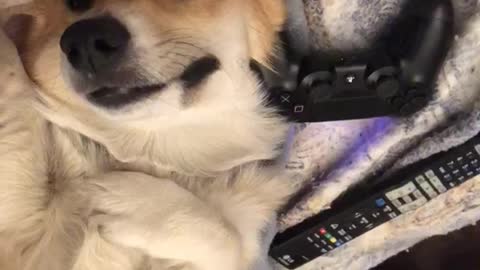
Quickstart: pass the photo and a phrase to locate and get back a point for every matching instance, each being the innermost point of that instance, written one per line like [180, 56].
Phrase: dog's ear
[18, 27]
[18, 22]
[266, 19]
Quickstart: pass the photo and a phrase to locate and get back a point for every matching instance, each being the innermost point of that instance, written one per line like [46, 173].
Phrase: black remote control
[319, 235]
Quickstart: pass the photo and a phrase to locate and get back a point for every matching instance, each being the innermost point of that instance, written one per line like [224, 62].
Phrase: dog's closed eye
[199, 70]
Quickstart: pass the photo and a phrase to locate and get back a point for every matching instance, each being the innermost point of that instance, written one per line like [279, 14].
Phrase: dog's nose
[95, 45]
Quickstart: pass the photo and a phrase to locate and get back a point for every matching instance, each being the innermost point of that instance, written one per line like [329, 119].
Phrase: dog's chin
[118, 97]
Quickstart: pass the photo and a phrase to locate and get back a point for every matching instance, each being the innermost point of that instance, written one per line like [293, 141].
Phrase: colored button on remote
[380, 202]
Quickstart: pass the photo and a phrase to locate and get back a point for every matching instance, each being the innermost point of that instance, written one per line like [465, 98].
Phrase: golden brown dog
[135, 138]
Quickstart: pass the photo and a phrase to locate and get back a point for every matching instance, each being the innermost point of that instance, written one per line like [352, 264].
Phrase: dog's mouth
[115, 97]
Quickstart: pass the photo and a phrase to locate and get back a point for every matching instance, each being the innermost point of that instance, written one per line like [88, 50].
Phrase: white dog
[133, 135]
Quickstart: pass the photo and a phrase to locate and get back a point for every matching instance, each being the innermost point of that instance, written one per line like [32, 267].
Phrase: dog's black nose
[95, 45]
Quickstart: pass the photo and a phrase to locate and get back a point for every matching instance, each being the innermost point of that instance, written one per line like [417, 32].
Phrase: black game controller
[395, 77]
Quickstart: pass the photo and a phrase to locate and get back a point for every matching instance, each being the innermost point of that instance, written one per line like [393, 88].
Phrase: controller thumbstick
[385, 82]
[387, 87]
[321, 92]
[318, 86]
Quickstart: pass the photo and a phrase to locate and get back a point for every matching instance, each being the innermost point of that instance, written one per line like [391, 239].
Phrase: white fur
[86, 189]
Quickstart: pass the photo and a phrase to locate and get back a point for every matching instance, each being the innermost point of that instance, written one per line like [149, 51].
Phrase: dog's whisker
[187, 32]
[189, 45]
[169, 40]
[175, 62]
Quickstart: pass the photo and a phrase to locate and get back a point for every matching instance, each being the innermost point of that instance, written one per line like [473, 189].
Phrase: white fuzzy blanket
[339, 154]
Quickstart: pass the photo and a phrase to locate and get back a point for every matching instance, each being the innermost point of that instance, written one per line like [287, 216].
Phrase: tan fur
[157, 185]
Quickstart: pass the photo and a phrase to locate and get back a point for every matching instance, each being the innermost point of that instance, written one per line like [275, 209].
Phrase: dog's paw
[127, 208]
[162, 220]
[119, 229]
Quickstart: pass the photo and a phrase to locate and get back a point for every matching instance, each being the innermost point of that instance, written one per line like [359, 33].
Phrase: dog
[135, 135]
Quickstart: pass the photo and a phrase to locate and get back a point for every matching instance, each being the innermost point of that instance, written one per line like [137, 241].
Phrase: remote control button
[420, 180]
[397, 203]
[392, 215]
[352, 227]
[364, 221]
[438, 184]
[477, 148]
[407, 199]
[413, 206]
[334, 226]
[474, 163]
[323, 231]
[376, 215]
[400, 192]
[429, 190]
[380, 202]
[442, 170]
[286, 260]
[448, 177]
[387, 209]
[451, 165]
[430, 174]
[418, 194]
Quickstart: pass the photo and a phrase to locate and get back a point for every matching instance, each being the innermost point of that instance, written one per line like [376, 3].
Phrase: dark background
[459, 250]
